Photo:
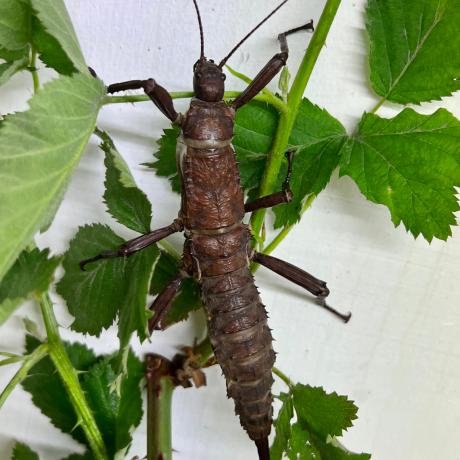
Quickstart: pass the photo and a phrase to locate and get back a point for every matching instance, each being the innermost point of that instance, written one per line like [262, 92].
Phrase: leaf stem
[33, 70]
[378, 105]
[160, 388]
[28, 362]
[283, 377]
[70, 380]
[288, 118]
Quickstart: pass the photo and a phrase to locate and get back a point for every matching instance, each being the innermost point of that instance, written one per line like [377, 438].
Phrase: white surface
[399, 357]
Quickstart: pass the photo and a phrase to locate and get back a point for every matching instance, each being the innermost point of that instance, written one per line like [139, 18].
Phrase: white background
[399, 357]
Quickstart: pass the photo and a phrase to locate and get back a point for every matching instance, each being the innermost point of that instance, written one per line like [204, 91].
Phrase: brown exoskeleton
[217, 249]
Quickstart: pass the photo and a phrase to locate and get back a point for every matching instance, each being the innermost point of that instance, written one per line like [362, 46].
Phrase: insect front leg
[284, 196]
[300, 277]
[270, 70]
[136, 244]
[159, 95]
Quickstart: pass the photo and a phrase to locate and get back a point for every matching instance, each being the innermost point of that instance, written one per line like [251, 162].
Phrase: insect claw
[345, 317]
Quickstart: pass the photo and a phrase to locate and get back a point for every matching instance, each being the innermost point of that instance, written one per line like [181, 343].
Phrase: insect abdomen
[242, 343]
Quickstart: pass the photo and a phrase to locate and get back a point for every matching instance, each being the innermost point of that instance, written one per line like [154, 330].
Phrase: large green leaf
[125, 202]
[55, 18]
[282, 426]
[106, 288]
[14, 24]
[414, 48]
[409, 163]
[318, 138]
[31, 273]
[39, 149]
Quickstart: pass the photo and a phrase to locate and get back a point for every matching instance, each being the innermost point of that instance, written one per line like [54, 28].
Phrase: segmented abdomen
[242, 344]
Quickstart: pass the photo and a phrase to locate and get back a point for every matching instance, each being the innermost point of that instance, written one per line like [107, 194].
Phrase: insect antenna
[225, 59]
[201, 29]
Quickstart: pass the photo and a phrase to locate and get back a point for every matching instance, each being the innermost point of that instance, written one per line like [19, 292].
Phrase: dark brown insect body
[217, 249]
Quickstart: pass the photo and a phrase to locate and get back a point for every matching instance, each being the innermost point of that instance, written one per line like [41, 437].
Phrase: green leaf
[324, 414]
[300, 446]
[282, 427]
[54, 17]
[116, 415]
[414, 48]
[8, 69]
[255, 126]
[50, 50]
[48, 392]
[318, 138]
[189, 297]
[125, 202]
[23, 452]
[31, 274]
[85, 456]
[39, 150]
[14, 24]
[409, 163]
[107, 287]
[333, 450]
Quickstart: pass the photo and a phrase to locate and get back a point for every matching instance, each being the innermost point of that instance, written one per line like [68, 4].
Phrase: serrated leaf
[14, 24]
[125, 202]
[324, 414]
[318, 138]
[50, 50]
[31, 274]
[48, 392]
[409, 163]
[39, 149]
[255, 126]
[23, 452]
[188, 298]
[333, 450]
[300, 446]
[107, 287]
[282, 427]
[116, 415]
[56, 21]
[414, 48]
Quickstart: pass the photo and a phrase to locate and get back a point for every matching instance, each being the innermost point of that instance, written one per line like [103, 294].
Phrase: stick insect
[217, 249]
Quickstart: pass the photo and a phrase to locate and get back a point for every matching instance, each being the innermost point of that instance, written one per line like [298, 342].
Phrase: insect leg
[285, 196]
[164, 301]
[159, 95]
[136, 244]
[300, 277]
[270, 70]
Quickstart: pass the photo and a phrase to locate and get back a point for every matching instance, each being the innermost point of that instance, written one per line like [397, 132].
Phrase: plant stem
[276, 102]
[283, 377]
[33, 70]
[288, 118]
[169, 248]
[160, 387]
[70, 380]
[378, 105]
[29, 362]
[204, 350]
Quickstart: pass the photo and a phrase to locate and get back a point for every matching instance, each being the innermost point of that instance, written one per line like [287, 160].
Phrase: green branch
[70, 380]
[33, 70]
[283, 377]
[28, 362]
[287, 119]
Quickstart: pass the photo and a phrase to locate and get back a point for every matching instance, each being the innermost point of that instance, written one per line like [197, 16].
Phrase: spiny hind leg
[300, 277]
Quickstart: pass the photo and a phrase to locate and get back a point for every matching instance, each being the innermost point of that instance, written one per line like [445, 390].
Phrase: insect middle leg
[300, 277]
[284, 196]
[136, 244]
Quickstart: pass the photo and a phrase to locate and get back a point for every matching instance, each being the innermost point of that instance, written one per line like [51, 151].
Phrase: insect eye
[223, 76]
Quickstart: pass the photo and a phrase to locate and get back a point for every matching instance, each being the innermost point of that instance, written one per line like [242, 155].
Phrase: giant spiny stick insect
[217, 249]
